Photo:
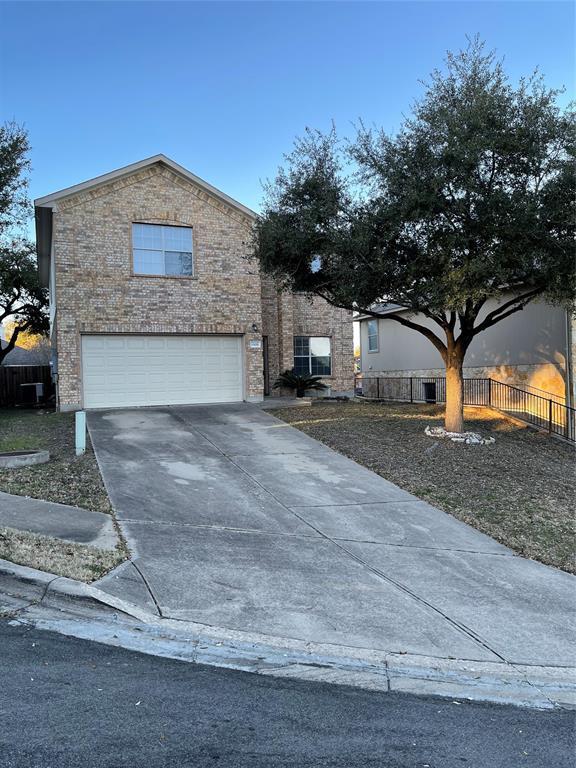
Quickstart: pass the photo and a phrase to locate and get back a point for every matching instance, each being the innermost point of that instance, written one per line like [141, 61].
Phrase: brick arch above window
[170, 218]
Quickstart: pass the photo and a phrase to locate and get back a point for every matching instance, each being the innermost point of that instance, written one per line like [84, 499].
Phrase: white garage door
[160, 370]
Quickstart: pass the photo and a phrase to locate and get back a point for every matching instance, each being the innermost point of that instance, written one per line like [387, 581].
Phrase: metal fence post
[377, 388]
[489, 391]
[550, 416]
[411, 390]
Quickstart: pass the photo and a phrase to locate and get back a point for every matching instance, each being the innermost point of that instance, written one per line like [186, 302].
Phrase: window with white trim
[372, 335]
[312, 355]
[159, 249]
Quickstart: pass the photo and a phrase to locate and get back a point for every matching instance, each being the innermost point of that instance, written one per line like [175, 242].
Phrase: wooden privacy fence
[13, 376]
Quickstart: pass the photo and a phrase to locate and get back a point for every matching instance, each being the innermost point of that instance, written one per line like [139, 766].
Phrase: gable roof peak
[48, 201]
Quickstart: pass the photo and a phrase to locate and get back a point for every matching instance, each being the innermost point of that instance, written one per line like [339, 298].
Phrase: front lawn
[521, 490]
[63, 558]
[66, 478]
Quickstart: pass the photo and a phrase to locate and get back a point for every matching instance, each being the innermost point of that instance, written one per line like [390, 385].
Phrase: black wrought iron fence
[537, 409]
[543, 412]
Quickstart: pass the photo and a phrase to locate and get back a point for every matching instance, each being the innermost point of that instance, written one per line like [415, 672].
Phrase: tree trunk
[454, 417]
[5, 351]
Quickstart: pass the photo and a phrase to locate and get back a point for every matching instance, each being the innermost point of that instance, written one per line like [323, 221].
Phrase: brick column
[286, 331]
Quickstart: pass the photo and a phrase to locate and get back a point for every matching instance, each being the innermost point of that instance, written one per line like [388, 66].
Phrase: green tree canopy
[472, 200]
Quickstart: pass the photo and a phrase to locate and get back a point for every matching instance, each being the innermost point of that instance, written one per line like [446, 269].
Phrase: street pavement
[68, 703]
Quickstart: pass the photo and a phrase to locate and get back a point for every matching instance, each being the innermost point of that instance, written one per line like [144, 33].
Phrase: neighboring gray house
[532, 348]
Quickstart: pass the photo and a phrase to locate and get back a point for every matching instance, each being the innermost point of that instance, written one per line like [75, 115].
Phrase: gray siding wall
[534, 336]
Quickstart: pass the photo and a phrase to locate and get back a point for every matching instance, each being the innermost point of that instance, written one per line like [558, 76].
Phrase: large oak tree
[472, 200]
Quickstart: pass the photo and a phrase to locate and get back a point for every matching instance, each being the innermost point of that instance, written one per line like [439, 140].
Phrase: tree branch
[8, 306]
[430, 335]
[505, 310]
[438, 319]
[12, 311]
[12, 343]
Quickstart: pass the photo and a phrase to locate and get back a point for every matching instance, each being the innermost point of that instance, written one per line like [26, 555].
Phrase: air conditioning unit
[32, 393]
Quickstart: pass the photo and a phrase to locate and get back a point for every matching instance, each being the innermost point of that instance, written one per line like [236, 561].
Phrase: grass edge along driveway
[521, 490]
[65, 479]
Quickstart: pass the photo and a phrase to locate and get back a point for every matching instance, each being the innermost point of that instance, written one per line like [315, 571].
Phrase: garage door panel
[135, 343]
[155, 343]
[115, 345]
[160, 370]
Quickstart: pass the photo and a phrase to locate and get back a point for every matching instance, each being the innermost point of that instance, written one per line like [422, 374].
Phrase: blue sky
[223, 88]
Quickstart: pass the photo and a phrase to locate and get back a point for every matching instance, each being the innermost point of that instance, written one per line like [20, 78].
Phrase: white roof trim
[48, 201]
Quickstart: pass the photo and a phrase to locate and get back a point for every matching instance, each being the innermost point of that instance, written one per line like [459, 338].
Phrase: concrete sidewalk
[238, 521]
[59, 521]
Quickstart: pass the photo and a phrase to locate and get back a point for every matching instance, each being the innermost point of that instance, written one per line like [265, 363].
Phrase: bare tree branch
[427, 332]
[517, 303]
[12, 343]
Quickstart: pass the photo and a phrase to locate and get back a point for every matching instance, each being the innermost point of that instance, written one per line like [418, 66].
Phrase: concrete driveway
[237, 520]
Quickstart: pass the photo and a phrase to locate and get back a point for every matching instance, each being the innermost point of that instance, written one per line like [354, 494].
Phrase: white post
[80, 432]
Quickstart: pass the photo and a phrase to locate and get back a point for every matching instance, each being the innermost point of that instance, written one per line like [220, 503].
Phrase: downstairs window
[312, 355]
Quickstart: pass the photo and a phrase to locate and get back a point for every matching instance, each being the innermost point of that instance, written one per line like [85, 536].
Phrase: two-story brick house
[155, 299]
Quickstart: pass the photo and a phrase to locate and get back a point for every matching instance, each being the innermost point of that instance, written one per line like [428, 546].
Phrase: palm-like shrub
[300, 383]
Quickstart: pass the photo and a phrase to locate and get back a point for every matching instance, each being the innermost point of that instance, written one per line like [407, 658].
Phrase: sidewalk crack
[149, 588]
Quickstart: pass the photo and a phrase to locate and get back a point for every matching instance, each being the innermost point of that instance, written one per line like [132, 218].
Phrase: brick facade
[97, 292]
[285, 315]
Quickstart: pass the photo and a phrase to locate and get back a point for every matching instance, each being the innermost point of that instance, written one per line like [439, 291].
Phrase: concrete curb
[73, 608]
[16, 459]
[59, 592]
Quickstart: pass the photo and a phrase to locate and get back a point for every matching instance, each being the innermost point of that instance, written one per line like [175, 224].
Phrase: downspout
[570, 382]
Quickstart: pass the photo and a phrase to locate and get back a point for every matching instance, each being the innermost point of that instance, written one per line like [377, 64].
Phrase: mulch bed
[520, 490]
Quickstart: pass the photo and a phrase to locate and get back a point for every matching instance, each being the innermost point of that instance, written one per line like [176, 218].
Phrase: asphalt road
[68, 703]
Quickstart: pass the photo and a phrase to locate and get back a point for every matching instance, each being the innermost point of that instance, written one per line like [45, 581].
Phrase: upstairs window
[312, 355]
[372, 335]
[162, 250]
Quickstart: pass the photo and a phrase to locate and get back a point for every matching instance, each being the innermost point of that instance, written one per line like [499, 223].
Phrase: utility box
[31, 393]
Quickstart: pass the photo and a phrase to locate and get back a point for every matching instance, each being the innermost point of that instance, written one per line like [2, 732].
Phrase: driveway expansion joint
[471, 592]
[457, 625]
[428, 549]
[148, 587]
[177, 524]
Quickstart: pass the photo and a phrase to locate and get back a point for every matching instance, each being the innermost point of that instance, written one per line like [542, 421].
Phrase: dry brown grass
[521, 490]
[76, 561]
[66, 478]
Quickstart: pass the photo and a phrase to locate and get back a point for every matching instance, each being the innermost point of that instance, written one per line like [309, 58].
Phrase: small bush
[291, 380]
